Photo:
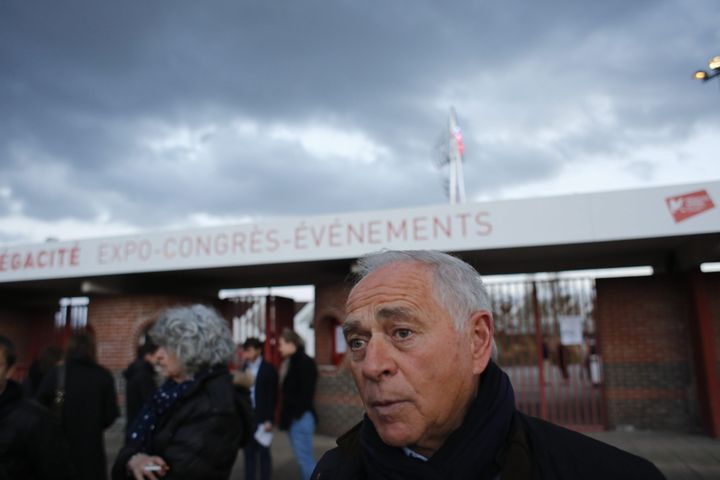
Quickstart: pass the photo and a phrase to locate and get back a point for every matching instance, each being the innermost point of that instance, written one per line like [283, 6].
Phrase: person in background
[32, 446]
[49, 358]
[243, 378]
[263, 394]
[194, 424]
[89, 406]
[140, 381]
[297, 413]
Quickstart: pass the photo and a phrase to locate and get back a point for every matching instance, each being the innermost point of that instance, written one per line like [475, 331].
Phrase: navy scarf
[153, 410]
[471, 451]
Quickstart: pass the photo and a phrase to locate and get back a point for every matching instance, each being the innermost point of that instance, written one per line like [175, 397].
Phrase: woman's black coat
[200, 435]
[298, 388]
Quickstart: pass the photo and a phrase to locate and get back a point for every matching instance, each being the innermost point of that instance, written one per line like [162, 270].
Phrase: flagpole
[456, 147]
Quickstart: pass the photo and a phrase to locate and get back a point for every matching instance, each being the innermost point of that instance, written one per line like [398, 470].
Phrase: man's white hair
[457, 286]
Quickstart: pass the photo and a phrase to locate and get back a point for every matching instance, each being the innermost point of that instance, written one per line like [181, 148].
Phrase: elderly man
[420, 334]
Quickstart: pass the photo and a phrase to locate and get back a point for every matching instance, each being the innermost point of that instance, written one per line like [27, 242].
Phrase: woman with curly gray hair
[193, 425]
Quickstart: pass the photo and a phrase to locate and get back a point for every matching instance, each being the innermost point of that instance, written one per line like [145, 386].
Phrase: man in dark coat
[263, 395]
[32, 446]
[419, 333]
[140, 381]
[90, 405]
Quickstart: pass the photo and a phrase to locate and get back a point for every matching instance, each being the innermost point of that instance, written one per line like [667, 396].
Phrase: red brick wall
[336, 401]
[643, 329]
[31, 330]
[329, 307]
[712, 285]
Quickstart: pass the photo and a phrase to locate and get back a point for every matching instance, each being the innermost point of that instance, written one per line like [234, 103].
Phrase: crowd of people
[419, 332]
[187, 414]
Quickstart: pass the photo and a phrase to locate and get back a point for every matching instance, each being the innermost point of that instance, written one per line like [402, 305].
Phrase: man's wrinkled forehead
[395, 280]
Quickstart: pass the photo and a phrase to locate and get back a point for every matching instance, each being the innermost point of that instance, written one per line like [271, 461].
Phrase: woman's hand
[142, 466]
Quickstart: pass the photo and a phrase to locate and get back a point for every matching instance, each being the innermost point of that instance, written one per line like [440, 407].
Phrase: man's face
[151, 358]
[251, 353]
[415, 373]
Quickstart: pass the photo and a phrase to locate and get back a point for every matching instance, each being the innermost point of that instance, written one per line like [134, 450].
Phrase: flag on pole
[458, 139]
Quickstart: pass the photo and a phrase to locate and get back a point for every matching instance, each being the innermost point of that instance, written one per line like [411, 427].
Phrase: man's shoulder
[137, 367]
[305, 360]
[344, 461]
[267, 368]
[27, 413]
[570, 454]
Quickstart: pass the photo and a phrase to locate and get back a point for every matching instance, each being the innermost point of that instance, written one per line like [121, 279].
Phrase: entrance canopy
[671, 228]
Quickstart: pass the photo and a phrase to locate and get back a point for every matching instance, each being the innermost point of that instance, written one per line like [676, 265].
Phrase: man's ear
[480, 329]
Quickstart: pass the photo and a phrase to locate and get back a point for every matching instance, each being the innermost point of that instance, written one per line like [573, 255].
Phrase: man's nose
[379, 361]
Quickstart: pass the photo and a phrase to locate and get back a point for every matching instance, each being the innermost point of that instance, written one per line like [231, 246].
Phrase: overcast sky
[122, 117]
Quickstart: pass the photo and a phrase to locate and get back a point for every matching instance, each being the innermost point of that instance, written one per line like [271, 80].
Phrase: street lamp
[713, 65]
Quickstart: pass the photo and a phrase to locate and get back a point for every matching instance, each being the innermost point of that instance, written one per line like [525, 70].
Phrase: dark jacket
[266, 390]
[32, 446]
[90, 407]
[200, 435]
[139, 386]
[534, 450]
[298, 388]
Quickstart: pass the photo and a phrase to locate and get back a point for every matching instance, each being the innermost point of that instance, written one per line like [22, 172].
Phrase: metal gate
[263, 317]
[546, 342]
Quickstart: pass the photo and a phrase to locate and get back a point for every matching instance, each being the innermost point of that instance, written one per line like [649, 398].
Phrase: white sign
[657, 212]
[571, 329]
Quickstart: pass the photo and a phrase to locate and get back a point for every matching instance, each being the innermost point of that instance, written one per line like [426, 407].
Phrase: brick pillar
[337, 402]
[643, 328]
[705, 353]
[329, 308]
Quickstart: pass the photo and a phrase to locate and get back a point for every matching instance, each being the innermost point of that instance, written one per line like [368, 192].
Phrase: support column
[705, 355]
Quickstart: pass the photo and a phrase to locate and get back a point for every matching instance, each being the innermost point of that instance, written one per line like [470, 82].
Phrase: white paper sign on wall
[571, 329]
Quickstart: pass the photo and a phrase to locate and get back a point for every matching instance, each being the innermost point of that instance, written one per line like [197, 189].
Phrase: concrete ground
[678, 456]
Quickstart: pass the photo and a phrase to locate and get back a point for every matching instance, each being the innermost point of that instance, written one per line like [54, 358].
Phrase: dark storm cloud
[86, 85]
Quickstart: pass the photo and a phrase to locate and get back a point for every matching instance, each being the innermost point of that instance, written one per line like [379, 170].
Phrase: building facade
[655, 336]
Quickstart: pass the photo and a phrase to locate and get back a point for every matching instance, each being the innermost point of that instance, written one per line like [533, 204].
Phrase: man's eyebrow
[350, 326]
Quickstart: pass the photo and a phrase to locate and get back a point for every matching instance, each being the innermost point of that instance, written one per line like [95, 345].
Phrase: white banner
[657, 212]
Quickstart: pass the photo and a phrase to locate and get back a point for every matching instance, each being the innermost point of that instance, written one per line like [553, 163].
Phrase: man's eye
[355, 344]
[403, 333]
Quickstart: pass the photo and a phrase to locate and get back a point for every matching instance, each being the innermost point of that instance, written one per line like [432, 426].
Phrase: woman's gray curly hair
[197, 334]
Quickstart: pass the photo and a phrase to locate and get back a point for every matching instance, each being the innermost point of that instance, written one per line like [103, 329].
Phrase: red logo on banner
[685, 206]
